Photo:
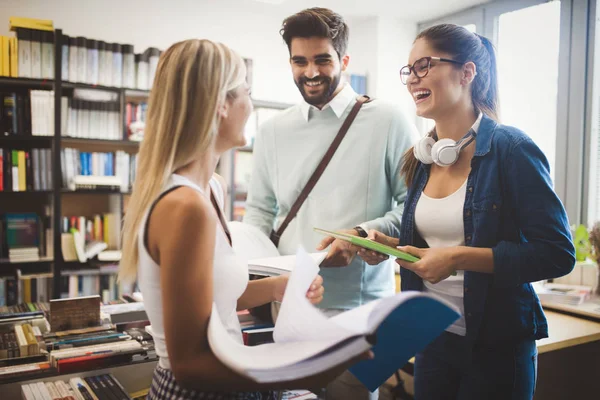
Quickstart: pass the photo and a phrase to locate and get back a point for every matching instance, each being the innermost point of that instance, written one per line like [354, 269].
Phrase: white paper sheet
[298, 319]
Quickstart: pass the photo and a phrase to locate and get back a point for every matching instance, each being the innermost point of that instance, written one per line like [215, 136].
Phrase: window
[471, 27]
[528, 73]
[593, 148]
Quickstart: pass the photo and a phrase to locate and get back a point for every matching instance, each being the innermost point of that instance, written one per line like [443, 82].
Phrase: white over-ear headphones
[444, 152]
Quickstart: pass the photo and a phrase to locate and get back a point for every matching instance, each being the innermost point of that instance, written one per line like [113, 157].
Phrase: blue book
[111, 164]
[400, 336]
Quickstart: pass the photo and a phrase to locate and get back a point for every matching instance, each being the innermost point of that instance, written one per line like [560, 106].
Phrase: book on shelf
[92, 119]
[299, 350]
[74, 313]
[110, 171]
[30, 23]
[94, 387]
[25, 170]
[24, 237]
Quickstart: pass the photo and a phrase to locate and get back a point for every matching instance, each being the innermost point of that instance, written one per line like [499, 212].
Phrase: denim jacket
[510, 207]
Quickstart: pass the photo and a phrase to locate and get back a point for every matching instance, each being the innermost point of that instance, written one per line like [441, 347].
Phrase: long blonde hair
[193, 78]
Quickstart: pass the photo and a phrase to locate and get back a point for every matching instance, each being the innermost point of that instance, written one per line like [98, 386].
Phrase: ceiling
[408, 10]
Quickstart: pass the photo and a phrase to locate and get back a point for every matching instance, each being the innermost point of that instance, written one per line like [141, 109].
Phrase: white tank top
[440, 223]
[230, 277]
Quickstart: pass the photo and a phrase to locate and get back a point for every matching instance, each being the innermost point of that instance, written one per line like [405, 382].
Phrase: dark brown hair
[463, 46]
[317, 22]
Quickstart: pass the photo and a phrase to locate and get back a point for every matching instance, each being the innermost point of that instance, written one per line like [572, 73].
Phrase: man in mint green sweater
[360, 189]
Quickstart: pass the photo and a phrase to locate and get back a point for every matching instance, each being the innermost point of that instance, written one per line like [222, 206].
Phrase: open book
[307, 342]
[274, 266]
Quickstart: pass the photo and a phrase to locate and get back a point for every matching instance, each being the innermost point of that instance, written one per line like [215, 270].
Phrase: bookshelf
[236, 165]
[62, 201]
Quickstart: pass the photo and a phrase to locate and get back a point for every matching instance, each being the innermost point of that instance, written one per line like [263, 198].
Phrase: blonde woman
[175, 239]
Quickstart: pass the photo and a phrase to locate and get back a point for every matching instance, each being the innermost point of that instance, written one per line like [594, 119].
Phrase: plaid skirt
[164, 387]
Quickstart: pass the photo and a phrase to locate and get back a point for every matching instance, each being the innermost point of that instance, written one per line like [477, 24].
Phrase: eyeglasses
[421, 67]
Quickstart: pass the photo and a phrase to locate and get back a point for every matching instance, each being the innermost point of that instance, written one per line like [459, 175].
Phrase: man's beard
[329, 87]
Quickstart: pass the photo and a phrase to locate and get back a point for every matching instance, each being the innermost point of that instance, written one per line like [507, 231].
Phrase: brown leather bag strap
[276, 235]
[215, 204]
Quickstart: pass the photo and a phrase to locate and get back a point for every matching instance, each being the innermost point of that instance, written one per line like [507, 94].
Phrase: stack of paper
[562, 294]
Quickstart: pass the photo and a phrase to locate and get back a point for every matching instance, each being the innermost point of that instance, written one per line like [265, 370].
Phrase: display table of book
[76, 348]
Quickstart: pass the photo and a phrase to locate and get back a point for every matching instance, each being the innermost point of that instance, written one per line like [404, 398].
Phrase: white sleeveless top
[230, 276]
[440, 223]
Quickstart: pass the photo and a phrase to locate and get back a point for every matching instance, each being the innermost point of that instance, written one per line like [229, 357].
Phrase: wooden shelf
[8, 268]
[70, 141]
[136, 93]
[27, 141]
[26, 193]
[245, 150]
[46, 84]
[76, 85]
[76, 192]
[137, 360]
[42, 260]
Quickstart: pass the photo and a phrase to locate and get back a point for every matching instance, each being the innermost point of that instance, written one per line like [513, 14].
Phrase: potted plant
[594, 239]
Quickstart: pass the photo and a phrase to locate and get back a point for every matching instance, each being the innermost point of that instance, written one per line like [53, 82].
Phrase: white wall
[378, 46]
[395, 39]
[250, 29]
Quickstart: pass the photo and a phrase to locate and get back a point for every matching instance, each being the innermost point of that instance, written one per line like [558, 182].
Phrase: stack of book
[556, 293]
[101, 387]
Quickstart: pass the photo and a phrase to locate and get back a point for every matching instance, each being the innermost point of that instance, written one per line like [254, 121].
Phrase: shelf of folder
[26, 83]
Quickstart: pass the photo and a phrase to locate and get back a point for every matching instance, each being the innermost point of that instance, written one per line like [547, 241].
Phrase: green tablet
[369, 244]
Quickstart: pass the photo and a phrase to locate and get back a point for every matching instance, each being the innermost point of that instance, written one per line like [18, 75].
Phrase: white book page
[298, 319]
[268, 356]
[357, 319]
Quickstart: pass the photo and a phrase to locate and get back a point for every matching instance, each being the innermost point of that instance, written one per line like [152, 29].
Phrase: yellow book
[98, 231]
[1, 57]
[26, 289]
[105, 227]
[14, 57]
[5, 56]
[21, 341]
[33, 346]
[22, 174]
[30, 23]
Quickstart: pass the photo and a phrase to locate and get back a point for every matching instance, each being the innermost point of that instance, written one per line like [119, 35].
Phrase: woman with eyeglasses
[482, 216]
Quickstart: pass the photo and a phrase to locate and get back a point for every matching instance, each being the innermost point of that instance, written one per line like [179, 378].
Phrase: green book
[369, 244]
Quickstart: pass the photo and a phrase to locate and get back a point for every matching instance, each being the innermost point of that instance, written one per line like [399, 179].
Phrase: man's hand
[373, 257]
[341, 252]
